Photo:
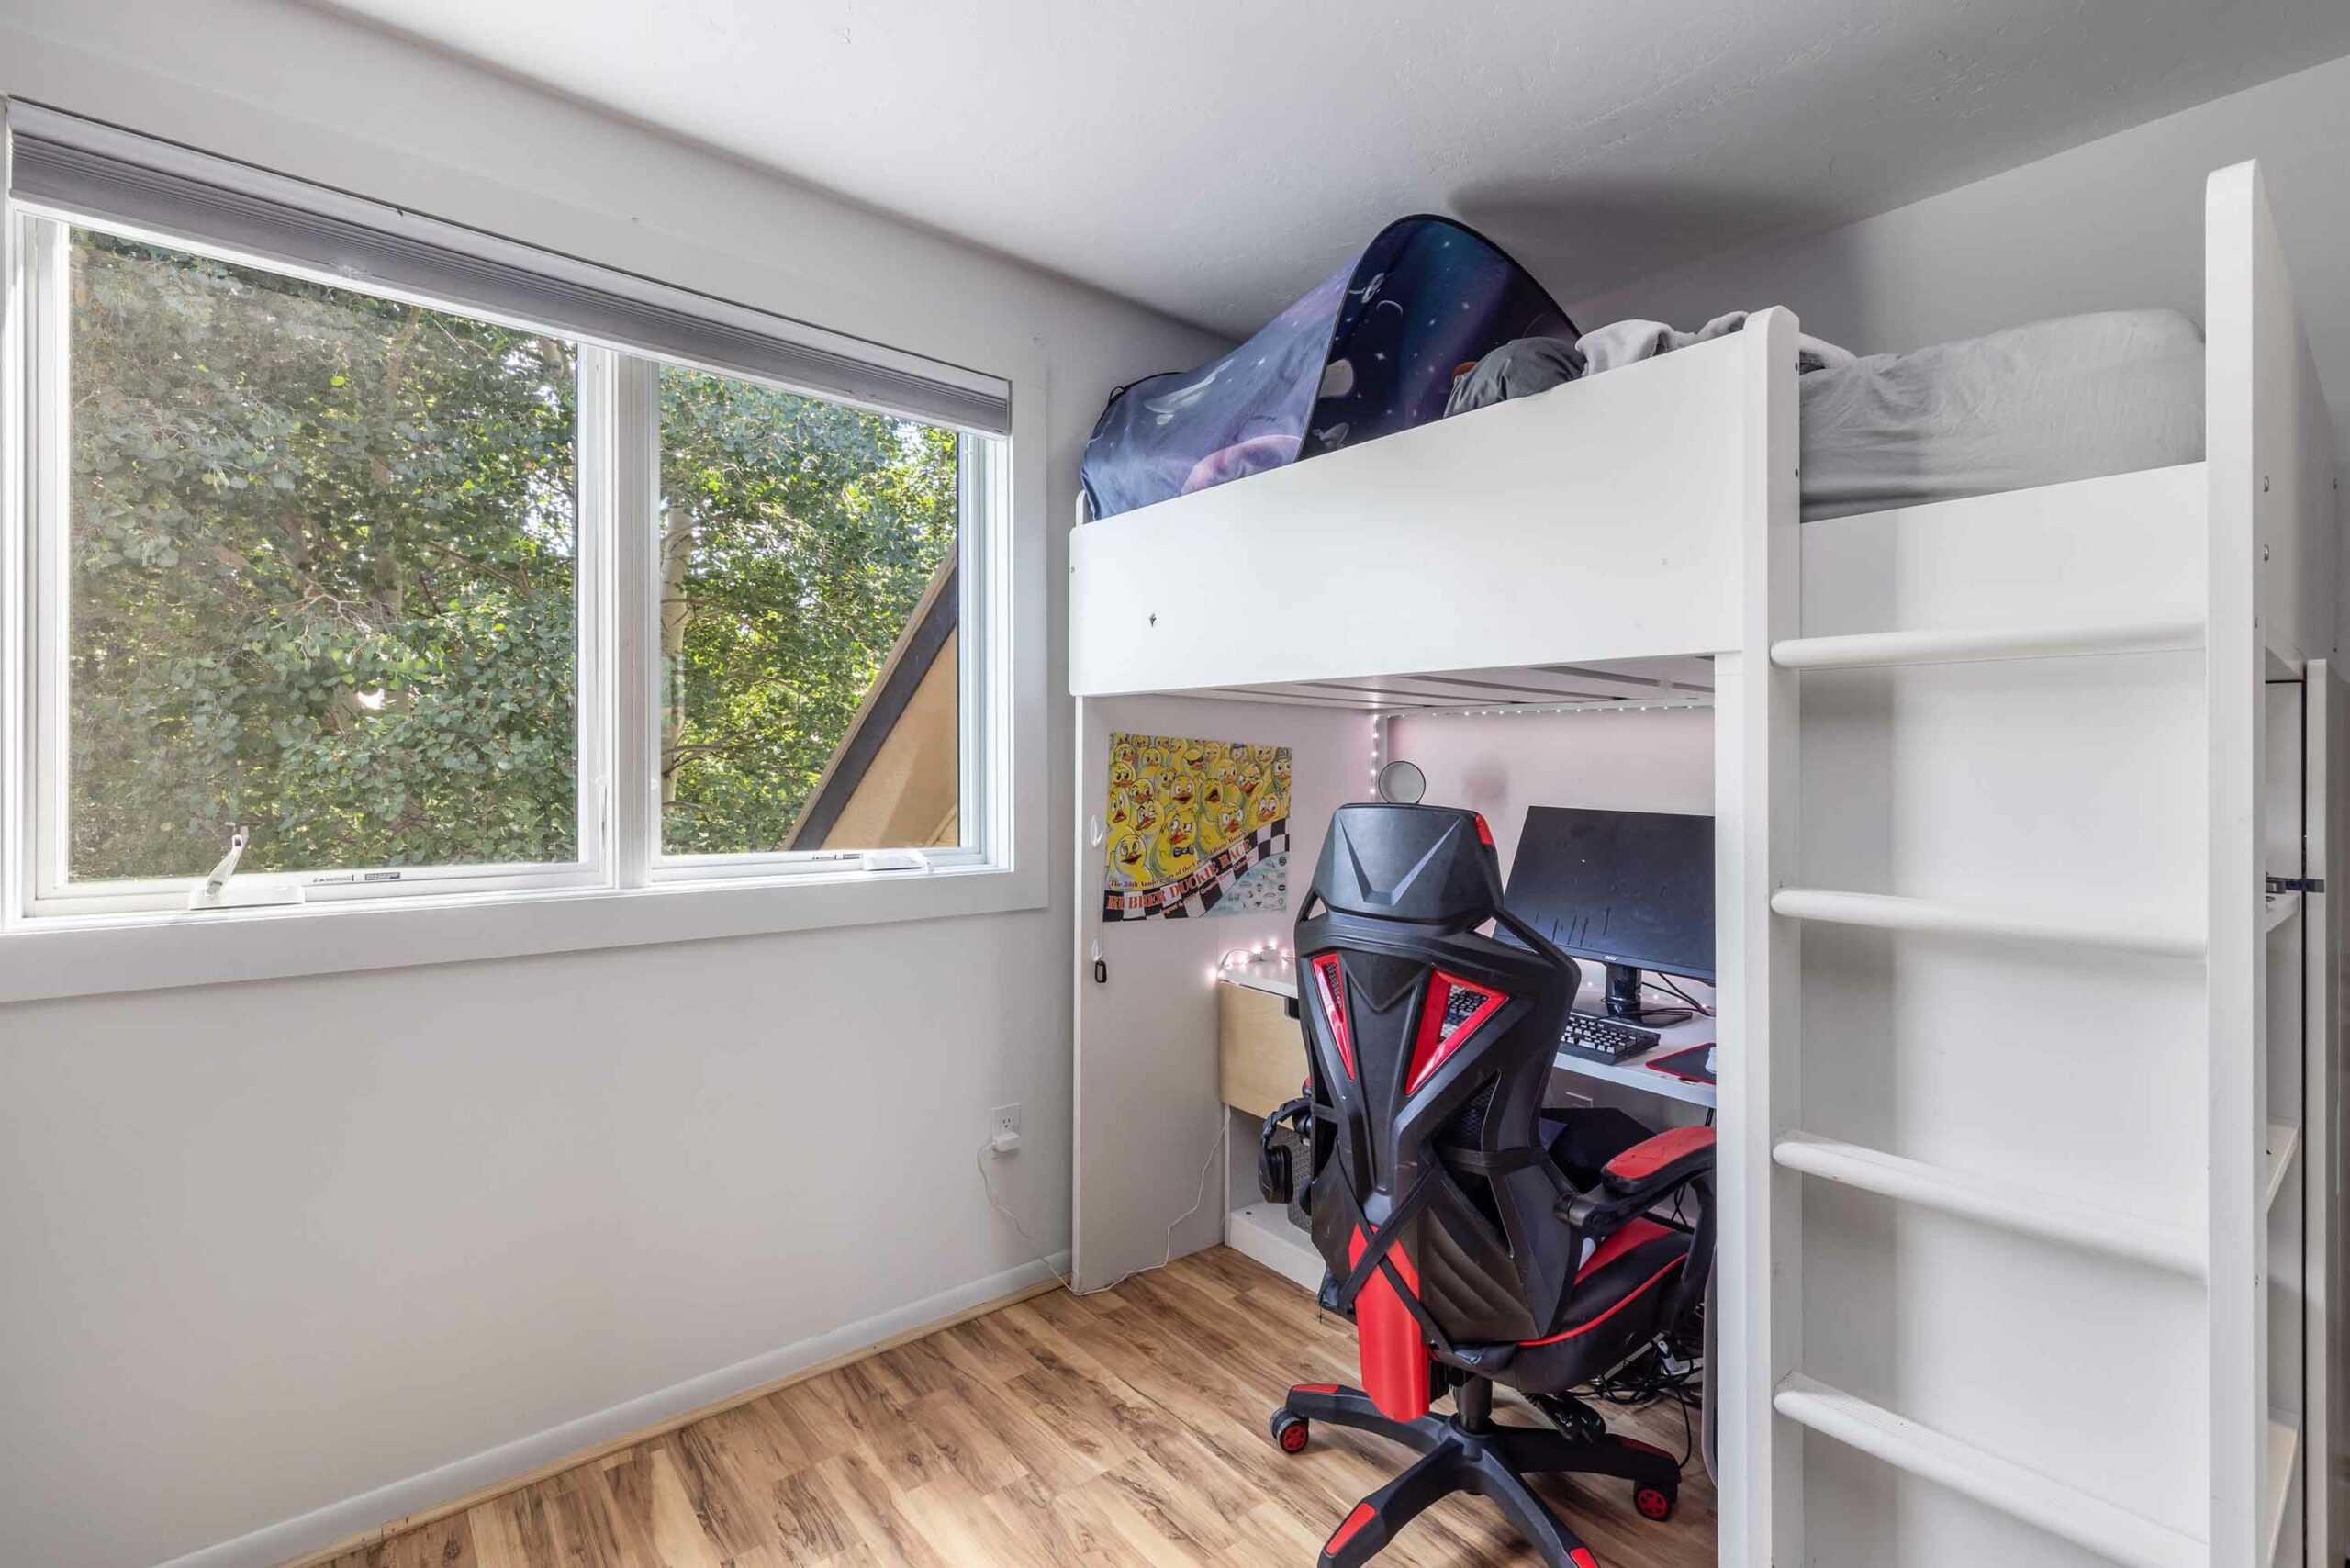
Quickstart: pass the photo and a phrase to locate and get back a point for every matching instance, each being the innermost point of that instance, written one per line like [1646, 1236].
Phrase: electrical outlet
[1003, 1129]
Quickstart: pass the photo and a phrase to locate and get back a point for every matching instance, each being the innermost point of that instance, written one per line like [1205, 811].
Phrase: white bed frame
[2028, 1087]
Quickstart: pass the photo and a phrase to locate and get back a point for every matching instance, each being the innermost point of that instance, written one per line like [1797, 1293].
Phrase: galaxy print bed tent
[1371, 351]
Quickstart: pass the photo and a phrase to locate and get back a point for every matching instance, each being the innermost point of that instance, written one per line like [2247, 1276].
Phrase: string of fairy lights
[1254, 961]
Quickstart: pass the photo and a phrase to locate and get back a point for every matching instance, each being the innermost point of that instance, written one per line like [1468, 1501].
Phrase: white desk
[1277, 978]
[1634, 1072]
[1281, 979]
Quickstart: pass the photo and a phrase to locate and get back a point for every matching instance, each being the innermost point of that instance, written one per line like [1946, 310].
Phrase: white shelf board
[2283, 1144]
[2280, 1466]
[1262, 1231]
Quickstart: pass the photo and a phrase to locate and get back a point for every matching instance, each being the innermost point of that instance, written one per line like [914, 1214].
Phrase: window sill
[94, 955]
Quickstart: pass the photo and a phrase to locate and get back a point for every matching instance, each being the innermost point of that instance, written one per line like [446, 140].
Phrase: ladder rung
[2283, 1142]
[1866, 650]
[2009, 1205]
[1887, 912]
[2063, 1511]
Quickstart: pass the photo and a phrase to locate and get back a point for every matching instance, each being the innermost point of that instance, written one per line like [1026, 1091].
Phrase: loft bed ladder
[1875, 1411]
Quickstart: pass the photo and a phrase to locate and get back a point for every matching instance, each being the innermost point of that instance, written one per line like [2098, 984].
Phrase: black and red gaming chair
[1454, 1237]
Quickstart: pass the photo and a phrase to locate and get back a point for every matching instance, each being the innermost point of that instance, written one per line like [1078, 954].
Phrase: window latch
[893, 861]
[219, 891]
[2296, 884]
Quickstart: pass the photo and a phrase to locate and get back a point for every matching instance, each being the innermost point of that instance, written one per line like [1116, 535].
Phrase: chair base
[1465, 1452]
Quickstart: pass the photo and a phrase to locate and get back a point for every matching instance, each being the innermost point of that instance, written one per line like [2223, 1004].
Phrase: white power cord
[987, 1152]
[1198, 1198]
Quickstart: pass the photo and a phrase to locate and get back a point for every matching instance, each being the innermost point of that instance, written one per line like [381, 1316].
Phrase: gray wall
[2116, 223]
[268, 1247]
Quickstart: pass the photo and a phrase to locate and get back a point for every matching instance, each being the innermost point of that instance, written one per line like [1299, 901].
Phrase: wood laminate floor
[1127, 1427]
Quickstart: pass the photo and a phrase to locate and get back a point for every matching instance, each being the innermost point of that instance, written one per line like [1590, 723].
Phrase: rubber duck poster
[1195, 828]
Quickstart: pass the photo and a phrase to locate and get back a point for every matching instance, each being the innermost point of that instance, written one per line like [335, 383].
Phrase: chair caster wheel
[1654, 1503]
[1290, 1432]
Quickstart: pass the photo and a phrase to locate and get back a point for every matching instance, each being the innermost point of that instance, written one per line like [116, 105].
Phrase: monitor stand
[1622, 1000]
[1624, 992]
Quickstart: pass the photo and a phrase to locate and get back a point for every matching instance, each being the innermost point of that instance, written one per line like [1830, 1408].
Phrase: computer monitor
[1632, 890]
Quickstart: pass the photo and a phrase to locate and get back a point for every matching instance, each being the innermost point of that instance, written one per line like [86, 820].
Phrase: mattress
[2073, 398]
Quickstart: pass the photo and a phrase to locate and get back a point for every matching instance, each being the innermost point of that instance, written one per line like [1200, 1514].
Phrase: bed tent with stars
[1373, 349]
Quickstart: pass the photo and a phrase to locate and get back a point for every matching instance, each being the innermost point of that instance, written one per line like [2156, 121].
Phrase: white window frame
[621, 892]
[44, 235]
[983, 497]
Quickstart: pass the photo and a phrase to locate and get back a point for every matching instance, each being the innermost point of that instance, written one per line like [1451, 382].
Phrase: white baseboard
[289, 1539]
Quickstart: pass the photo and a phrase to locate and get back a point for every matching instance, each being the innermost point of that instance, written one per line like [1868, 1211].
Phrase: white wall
[1660, 760]
[1147, 1039]
[1627, 760]
[2112, 224]
[268, 1247]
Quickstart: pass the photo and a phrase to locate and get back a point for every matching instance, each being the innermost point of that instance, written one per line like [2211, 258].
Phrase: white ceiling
[1214, 158]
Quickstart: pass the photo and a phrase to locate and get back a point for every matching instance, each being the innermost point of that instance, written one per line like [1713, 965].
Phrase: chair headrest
[1433, 864]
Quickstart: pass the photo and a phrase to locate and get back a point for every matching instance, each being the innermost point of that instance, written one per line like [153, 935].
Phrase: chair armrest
[1640, 1177]
[1663, 1161]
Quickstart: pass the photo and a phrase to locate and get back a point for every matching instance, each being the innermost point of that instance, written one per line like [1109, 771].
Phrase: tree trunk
[677, 557]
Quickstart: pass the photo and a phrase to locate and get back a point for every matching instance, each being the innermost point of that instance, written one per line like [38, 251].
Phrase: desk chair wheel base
[1467, 1451]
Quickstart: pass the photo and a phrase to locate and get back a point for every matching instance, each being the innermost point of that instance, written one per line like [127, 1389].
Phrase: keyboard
[1604, 1040]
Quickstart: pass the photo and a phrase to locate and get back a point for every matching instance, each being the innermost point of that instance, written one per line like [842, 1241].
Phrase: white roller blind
[81, 168]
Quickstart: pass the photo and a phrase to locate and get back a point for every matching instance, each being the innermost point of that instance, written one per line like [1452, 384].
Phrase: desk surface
[1633, 1073]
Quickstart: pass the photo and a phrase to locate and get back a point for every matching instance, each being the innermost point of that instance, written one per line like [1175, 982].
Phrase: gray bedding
[2072, 399]
[2076, 397]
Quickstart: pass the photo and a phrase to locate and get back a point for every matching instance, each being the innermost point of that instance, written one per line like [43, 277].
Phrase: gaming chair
[1454, 1238]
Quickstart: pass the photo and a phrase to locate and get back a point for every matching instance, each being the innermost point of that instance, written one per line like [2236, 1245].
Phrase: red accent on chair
[1629, 1297]
[1330, 985]
[1643, 1161]
[1581, 1557]
[1433, 1045]
[1315, 1388]
[1394, 1356]
[1633, 1234]
[1351, 1526]
[1485, 833]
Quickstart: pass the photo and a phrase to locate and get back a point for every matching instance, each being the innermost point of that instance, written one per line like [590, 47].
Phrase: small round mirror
[1402, 783]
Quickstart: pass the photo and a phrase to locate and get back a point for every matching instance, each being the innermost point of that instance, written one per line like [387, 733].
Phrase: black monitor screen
[1629, 887]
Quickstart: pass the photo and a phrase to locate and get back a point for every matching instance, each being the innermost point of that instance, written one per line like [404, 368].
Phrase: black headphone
[1276, 1172]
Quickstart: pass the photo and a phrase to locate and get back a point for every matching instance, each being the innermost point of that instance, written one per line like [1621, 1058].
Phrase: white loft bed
[2027, 1251]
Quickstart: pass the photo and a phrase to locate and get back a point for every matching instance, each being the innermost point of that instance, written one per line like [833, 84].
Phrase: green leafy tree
[323, 549]
[798, 537]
